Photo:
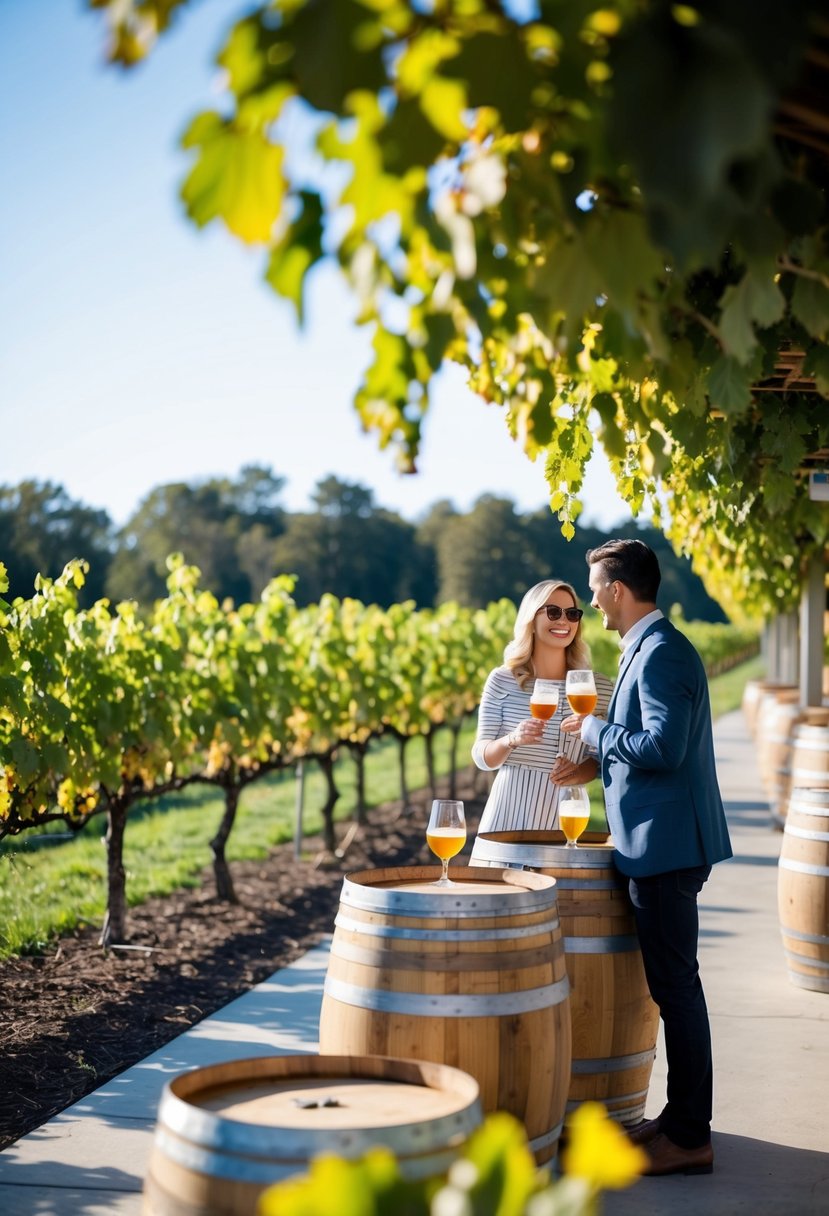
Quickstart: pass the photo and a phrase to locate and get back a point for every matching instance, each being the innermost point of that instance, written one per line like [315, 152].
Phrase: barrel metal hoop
[613, 1063]
[618, 1112]
[578, 884]
[803, 867]
[618, 944]
[215, 1164]
[805, 961]
[452, 1005]
[384, 961]
[236, 1168]
[545, 1140]
[816, 938]
[807, 744]
[806, 834]
[202, 1131]
[811, 775]
[447, 935]
[818, 810]
[410, 903]
[814, 983]
[539, 856]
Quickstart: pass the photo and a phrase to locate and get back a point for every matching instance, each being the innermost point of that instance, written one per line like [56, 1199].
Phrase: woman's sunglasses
[554, 613]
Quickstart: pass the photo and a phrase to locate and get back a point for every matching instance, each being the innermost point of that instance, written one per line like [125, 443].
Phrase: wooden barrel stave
[227, 1132]
[484, 988]
[810, 756]
[803, 889]
[753, 694]
[615, 1022]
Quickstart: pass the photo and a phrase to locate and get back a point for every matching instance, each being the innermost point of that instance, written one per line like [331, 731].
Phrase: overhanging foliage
[614, 217]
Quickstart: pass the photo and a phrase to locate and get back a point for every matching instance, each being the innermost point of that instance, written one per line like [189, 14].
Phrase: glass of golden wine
[446, 834]
[580, 688]
[573, 813]
[544, 699]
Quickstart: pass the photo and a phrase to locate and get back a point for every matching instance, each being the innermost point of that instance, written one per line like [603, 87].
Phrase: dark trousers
[667, 921]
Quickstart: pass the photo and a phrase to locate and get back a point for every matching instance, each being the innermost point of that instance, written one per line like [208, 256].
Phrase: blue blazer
[656, 752]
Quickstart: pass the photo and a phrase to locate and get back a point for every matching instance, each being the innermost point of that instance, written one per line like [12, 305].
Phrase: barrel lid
[475, 891]
[542, 850]
[333, 1103]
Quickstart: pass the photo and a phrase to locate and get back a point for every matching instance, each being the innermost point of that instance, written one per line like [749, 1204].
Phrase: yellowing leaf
[599, 1151]
[443, 103]
[237, 178]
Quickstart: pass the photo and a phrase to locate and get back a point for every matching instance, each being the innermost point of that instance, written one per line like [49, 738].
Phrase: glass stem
[444, 861]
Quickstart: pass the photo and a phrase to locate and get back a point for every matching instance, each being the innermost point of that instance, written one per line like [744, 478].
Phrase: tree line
[237, 531]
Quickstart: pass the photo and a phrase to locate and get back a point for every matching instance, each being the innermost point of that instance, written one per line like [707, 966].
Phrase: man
[665, 813]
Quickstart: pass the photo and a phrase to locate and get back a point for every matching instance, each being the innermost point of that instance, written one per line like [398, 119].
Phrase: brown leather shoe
[643, 1132]
[665, 1157]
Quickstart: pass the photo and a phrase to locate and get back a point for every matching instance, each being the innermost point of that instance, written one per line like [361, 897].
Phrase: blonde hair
[518, 654]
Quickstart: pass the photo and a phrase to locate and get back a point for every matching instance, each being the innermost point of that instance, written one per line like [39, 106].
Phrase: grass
[49, 890]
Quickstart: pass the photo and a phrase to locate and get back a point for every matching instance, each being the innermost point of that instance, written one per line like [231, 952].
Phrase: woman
[534, 760]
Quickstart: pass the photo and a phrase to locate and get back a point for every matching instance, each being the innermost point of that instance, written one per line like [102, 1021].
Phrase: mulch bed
[75, 1016]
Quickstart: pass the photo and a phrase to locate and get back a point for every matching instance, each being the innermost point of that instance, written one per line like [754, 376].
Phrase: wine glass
[544, 699]
[446, 834]
[580, 688]
[573, 813]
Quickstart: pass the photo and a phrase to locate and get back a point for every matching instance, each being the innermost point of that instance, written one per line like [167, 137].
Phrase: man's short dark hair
[631, 562]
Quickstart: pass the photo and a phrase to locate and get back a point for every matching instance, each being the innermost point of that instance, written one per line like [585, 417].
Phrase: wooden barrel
[614, 1020]
[810, 756]
[227, 1132]
[781, 745]
[470, 975]
[777, 714]
[803, 889]
[752, 694]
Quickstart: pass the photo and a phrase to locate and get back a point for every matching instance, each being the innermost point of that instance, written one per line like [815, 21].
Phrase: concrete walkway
[771, 1044]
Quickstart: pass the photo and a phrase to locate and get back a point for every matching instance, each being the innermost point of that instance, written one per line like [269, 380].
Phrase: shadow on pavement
[754, 1177]
[745, 859]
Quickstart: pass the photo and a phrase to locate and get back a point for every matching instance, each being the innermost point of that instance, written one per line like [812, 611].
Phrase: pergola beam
[812, 614]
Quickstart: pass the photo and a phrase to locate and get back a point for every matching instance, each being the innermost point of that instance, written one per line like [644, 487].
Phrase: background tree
[221, 525]
[485, 555]
[615, 218]
[348, 544]
[42, 528]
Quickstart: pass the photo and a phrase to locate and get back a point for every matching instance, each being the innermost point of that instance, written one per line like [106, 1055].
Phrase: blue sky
[136, 349]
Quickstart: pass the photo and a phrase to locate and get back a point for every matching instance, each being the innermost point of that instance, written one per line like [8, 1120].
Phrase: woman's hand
[566, 772]
[530, 730]
[572, 724]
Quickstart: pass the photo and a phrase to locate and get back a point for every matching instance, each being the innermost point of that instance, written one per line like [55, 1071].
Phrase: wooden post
[300, 798]
[812, 608]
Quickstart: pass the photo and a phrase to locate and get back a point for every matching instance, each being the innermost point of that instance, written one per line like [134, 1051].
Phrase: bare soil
[75, 1016]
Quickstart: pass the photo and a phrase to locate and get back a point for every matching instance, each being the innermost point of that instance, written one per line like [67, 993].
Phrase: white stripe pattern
[522, 796]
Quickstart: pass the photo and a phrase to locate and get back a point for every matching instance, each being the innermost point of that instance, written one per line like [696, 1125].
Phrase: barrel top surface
[337, 1103]
[542, 850]
[320, 1103]
[465, 887]
[474, 891]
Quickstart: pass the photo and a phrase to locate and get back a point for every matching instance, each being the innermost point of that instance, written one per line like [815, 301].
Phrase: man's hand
[572, 724]
[567, 772]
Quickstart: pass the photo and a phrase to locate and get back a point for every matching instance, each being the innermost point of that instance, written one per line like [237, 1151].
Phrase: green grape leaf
[755, 298]
[237, 177]
[498, 73]
[816, 364]
[299, 249]
[337, 51]
[728, 386]
[810, 304]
